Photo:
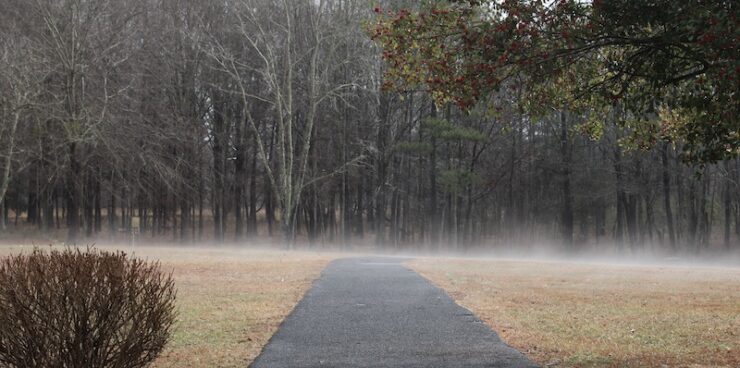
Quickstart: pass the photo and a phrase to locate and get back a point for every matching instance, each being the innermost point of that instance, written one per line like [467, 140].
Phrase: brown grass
[578, 315]
[230, 301]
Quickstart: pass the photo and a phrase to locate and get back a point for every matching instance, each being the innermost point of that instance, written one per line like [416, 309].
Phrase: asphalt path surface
[374, 312]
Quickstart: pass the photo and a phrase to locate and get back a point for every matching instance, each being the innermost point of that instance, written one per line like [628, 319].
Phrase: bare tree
[21, 85]
[292, 55]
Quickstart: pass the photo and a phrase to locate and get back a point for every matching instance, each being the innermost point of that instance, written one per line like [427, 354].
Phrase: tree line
[233, 120]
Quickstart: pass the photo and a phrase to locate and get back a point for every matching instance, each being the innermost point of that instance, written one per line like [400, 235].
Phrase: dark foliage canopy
[643, 55]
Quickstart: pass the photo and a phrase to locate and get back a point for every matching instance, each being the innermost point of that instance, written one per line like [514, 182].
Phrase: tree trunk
[269, 208]
[621, 198]
[252, 217]
[736, 180]
[727, 203]
[331, 215]
[567, 211]
[382, 173]
[98, 212]
[394, 219]
[3, 214]
[184, 220]
[631, 204]
[73, 195]
[667, 197]
[287, 225]
[240, 181]
[219, 158]
[201, 199]
[693, 216]
[89, 203]
[433, 216]
[359, 218]
[112, 209]
[6, 168]
[33, 198]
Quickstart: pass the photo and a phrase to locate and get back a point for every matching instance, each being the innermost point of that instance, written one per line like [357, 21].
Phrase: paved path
[373, 312]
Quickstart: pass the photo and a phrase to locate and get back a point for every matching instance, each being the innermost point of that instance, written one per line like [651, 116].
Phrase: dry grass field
[590, 315]
[230, 301]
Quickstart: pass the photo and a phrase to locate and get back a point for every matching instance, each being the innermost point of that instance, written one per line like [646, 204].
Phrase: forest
[353, 122]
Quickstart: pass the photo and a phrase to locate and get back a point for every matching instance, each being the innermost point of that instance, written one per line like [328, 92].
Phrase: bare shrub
[89, 308]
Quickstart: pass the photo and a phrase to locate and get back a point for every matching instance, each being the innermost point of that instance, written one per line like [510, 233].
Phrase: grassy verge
[230, 301]
[578, 315]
